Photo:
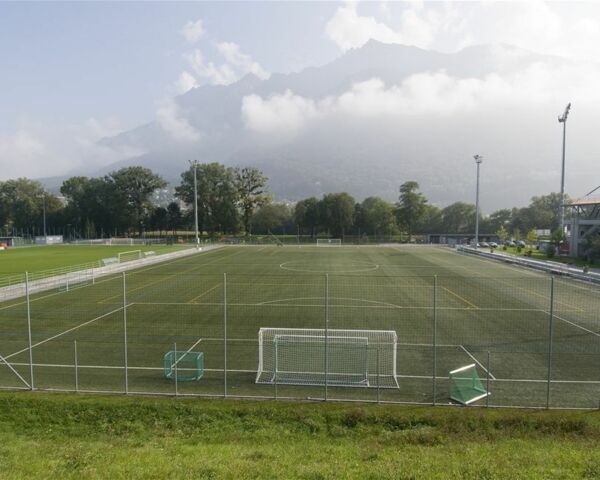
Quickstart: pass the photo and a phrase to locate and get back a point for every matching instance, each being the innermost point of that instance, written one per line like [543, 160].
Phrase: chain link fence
[535, 341]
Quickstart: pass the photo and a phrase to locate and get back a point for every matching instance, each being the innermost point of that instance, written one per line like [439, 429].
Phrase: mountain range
[380, 115]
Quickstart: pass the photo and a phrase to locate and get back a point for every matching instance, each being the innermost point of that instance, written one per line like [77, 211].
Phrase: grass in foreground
[35, 259]
[67, 436]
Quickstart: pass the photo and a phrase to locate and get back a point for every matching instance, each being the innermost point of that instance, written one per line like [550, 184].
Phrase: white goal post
[329, 242]
[345, 358]
[130, 255]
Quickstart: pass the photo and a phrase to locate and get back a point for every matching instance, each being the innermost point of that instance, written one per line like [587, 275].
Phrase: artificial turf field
[484, 312]
[36, 258]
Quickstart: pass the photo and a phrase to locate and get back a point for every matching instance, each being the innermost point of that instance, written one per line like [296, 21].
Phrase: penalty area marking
[353, 267]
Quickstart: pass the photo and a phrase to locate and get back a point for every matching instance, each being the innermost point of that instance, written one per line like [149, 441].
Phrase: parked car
[484, 244]
[511, 244]
[493, 245]
[522, 244]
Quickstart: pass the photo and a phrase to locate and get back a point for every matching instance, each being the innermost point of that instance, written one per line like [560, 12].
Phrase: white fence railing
[556, 268]
[71, 277]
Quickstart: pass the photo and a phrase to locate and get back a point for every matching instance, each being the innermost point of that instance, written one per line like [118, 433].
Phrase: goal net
[346, 358]
[329, 242]
[184, 366]
[128, 256]
[466, 386]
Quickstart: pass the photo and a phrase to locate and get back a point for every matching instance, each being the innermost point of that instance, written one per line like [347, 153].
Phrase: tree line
[237, 201]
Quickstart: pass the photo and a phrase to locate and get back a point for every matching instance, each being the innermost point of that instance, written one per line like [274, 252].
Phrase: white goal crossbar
[130, 255]
[329, 242]
[346, 358]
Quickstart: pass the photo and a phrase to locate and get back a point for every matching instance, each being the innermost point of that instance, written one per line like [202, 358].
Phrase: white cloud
[193, 31]
[243, 62]
[215, 74]
[350, 30]
[431, 95]
[185, 82]
[285, 113]
[38, 150]
[171, 120]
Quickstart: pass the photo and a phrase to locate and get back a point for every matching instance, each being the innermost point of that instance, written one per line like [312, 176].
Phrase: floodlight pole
[563, 119]
[478, 160]
[195, 165]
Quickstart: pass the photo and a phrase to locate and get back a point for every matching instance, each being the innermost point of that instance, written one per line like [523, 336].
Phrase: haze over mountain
[380, 115]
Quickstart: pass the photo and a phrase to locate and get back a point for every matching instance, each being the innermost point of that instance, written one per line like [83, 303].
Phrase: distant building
[459, 238]
[582, 222]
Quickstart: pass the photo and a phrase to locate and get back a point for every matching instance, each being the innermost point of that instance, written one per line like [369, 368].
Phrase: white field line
[575, 325]
[478, 363]
[198, 297]
[3, 360]
[163, 278]
[220, 370]
[67, 331]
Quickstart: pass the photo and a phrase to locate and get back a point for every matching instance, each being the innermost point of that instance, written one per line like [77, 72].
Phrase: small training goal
[130, 255]
[329, 242]
[344, 358]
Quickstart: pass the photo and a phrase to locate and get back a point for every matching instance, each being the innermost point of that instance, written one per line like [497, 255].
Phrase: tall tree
[458, 217]
[411, 206]
[270, 217]
[22, 202]
[375, 216]
[251, 188]
[307, 215]
[133, 187]
[173, 216]
[337, 211]
[217, 196]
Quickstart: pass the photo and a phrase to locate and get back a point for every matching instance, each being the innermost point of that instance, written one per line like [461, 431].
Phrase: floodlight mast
[194, 164]
[478, 160]
[563, 119]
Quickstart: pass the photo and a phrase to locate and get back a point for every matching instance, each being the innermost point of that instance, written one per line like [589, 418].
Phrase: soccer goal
[184, 366]
[130, 255]
[345, 358]
[329, 242]
[466, 386]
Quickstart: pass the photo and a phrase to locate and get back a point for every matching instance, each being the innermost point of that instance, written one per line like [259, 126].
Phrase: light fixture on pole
[195, 165]
[563, 119]
[478, 160]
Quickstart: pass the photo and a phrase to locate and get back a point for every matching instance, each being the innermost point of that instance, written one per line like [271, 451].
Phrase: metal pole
[487, 383]
[326, 335]
[478, 160]
[76, 366]
[550, 340]
[276, 369]
[125, 333]
[31, 385]
[224, 334]
[563, 119]
[195, 165]
[434, 372]
[378, 382]
[176, 362]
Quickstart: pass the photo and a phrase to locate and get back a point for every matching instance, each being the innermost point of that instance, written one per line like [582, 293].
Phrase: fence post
[378, 379]
[487, 382]
[434, 367]
[176, 362]
[224, 334]
[31, 384]
[550, 340]
[125, 333]
[76, 365]
[326, 336]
